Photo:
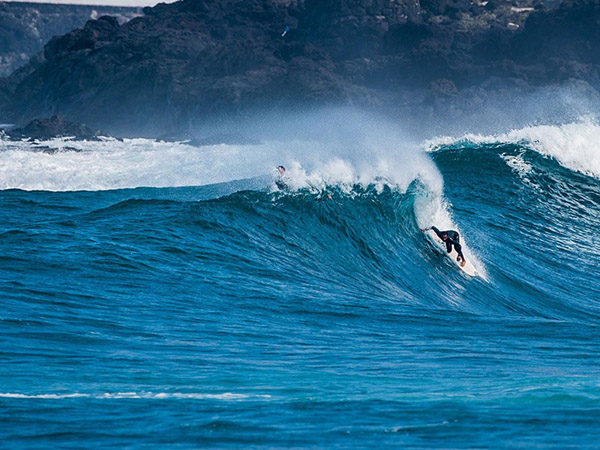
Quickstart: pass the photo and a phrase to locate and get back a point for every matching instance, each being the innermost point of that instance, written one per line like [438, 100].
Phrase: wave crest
[573, 145]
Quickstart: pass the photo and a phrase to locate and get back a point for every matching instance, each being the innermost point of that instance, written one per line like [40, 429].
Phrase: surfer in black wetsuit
[451, 238]
[280, 182]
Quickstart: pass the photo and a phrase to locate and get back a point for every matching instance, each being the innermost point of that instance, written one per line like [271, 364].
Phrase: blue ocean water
[232, 315]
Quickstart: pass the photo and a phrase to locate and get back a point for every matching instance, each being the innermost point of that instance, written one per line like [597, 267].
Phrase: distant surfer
[451, 238]
[282, 183]
[281, 180]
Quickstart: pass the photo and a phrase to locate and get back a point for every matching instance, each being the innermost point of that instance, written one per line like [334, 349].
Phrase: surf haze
[165, 285]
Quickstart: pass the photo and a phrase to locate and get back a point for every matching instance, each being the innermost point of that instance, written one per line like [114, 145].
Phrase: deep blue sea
[224, 313]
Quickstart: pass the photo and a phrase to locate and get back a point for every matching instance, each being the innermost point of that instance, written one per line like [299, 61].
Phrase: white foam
[113, 164]
[372, 156]
[518, 164]
[397, 171]
[575, 146]
[139, 395]
[42, 396]
[521, 167]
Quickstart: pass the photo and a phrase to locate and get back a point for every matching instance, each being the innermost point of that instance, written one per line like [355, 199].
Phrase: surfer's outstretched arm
[436, 231]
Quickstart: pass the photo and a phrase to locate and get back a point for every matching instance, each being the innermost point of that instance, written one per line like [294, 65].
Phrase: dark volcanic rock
[26, 27]
[56, 126]
[180, 61]
[194, 60]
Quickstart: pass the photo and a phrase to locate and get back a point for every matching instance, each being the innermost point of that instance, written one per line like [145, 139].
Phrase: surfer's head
[444, 236]
[281, 170]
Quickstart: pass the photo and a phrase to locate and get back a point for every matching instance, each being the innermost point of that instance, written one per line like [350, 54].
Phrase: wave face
[208, 309]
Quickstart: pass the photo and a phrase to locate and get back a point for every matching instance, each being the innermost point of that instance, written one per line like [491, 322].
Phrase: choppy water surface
[225, 314]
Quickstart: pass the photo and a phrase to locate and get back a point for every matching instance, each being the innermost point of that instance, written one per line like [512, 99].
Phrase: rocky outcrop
[26, 27]
[56, 126]
[194, 60]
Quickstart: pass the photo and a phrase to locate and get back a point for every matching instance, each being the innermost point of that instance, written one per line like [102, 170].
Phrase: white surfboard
[467, 268]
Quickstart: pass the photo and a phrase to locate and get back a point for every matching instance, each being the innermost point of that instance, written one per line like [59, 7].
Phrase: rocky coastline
[26, 27]
[187, 63]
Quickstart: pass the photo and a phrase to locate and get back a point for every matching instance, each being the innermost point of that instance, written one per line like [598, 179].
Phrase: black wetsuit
[281, 185]
[453, 239]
